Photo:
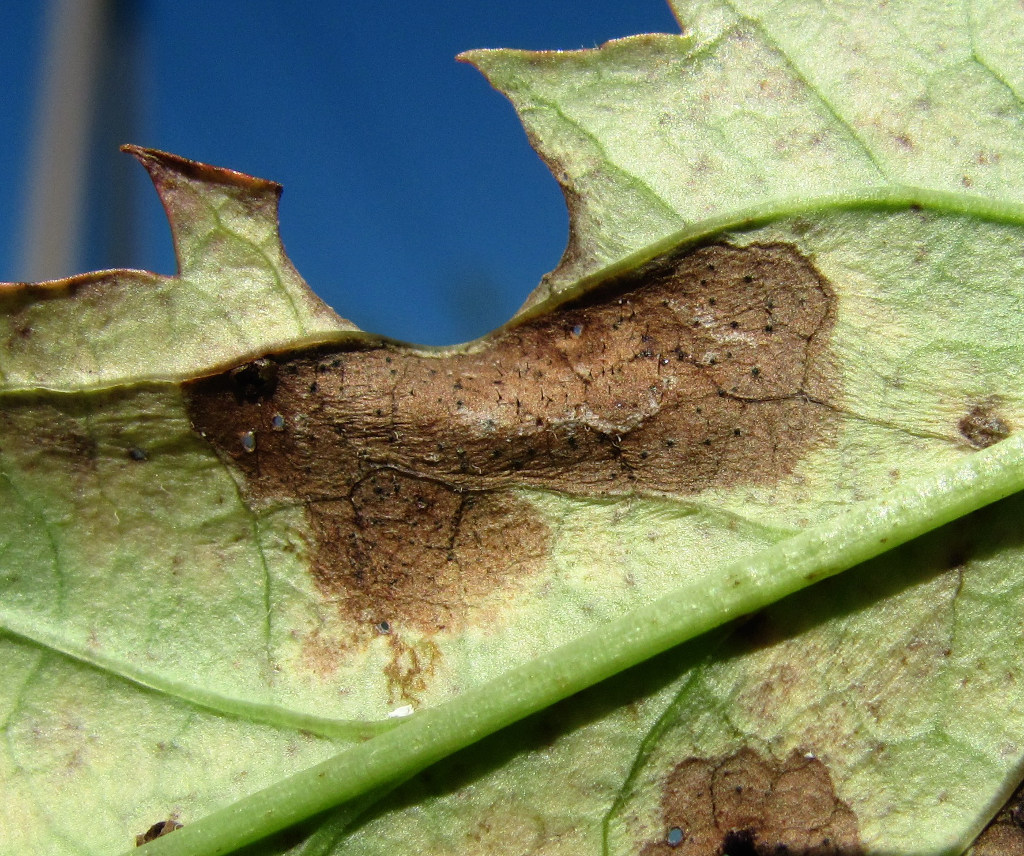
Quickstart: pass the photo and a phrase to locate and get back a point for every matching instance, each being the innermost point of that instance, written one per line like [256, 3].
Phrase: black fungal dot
[383, 627]
[739, 842]
[736, 432]
[734, 324]
[137, 454]
[755, 371]
[747, 278]
[254, 381]
[768, 328]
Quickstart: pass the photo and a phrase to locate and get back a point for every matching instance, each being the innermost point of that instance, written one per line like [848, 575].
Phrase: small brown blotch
[157, 830]
[982, 426]
[748, 804]
[411, 668]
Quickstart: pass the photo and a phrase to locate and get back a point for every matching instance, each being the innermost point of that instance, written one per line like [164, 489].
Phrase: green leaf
[758, 105]
[785, 338]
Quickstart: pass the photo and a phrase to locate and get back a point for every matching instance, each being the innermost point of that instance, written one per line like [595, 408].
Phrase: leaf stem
[860, 533]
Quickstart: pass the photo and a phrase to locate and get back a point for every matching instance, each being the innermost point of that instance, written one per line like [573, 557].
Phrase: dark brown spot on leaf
[982, 426]
[750, 804]
[414, 550]
[407, 462]
[157, 830]
[255, 381]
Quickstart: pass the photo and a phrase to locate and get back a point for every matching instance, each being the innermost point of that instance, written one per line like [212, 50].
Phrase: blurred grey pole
[65, 107]
[116, 183]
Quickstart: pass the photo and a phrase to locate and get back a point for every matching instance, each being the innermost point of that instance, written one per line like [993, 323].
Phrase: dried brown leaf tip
[706, 368]
[747, 804]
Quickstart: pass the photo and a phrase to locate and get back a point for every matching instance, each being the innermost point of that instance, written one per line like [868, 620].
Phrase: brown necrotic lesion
[749, 803]
[705, 368]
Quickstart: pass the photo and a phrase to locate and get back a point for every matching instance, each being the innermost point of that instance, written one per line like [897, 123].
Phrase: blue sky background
[413, 203]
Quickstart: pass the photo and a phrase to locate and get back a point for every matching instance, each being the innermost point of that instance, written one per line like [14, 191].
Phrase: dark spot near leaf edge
[749, 804]
[157, 830]
[982, 426]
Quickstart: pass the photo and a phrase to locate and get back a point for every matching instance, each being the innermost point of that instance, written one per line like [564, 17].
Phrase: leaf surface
[226, 559]
[757, 105]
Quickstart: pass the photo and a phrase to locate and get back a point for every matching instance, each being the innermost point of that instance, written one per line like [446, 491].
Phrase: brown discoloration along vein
[707, 369]
[751, 804]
